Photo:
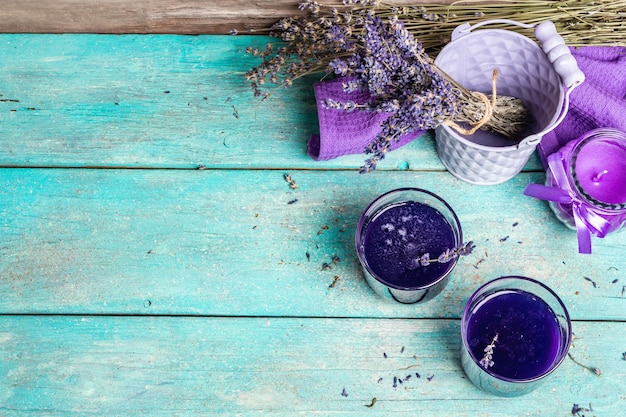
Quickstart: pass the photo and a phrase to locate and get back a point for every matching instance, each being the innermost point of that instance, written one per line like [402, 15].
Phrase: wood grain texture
[147, 16]
[129, 366]
[158, 101]
[221, 242]
[134, 283]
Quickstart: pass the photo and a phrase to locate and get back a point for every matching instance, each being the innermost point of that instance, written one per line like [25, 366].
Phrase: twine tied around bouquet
[489, 108]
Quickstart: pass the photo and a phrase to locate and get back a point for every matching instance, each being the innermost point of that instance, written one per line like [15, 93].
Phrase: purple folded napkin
[342, 132]
[598, 102]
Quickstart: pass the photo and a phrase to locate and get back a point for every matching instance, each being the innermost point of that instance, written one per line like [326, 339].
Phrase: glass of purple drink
[405, 241]
[516, 331]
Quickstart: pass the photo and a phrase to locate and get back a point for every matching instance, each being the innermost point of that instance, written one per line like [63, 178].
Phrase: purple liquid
[398, 235]
[529, 336]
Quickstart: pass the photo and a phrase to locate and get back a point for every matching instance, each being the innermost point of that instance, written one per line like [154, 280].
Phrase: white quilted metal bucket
[542, 77]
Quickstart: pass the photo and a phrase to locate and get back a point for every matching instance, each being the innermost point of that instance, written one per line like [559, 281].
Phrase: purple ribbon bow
[587, 221]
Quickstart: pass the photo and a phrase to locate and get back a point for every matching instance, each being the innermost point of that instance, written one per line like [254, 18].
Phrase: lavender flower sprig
[487, 361]
[445, 257]
[379, 56]
[401, 80]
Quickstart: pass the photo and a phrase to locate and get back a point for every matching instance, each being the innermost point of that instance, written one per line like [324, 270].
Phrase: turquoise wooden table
[154, 261]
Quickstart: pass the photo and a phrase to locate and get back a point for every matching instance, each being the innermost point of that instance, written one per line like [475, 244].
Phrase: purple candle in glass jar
[600, 169]
[586, 185]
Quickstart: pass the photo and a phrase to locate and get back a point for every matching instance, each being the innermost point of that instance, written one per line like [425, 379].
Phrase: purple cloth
[342, 132]
[598, 102]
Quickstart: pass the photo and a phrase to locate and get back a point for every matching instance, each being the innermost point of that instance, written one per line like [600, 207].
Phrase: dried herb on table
[576, 409]
[290, 181]
[589, 368]
[378, 55]
[344, 393]
[592, 282]
[371, 404]
[335, 280]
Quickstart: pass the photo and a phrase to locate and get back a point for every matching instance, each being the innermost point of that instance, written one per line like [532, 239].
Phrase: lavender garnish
[445, 257]
[487, 360]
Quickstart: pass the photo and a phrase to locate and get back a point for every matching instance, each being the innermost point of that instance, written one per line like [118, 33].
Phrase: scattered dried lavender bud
[344, 393]
[335, 280]
[592, 282]
[614, 281]
[371, 404]
[290, 181]
[576, 410]
[292, 201]
[308, 256]
[504, 239]
[430, 378]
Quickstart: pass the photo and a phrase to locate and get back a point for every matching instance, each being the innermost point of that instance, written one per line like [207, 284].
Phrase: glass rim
[566, 343]
[361, 227]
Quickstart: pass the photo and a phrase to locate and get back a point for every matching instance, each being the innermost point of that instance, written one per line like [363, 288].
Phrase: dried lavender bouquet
[381, 56]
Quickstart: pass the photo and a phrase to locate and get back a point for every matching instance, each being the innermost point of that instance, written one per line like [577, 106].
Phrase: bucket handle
[557, 53]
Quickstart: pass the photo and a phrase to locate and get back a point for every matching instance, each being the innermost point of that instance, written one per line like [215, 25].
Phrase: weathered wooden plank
[147, 16]
[157, 101]
[220, 242]
[83, 366]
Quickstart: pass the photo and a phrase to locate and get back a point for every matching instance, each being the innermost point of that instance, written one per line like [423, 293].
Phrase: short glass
[515, 333]
[395, 238]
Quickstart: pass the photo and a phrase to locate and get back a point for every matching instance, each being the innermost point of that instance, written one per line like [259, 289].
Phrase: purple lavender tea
[399, 235]
[514, 334]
